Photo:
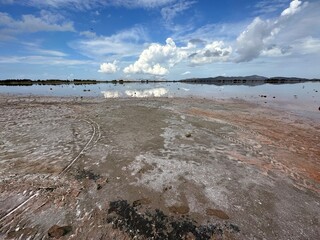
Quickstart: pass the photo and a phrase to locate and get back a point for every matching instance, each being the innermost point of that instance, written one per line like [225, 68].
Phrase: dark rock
[167, 188]
[82, 174]
[156, 225]
[56, 231]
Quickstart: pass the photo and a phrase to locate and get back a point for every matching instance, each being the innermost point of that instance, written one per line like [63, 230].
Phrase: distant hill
[246, 80]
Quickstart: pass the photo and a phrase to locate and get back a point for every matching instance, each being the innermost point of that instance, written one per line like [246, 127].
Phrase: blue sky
[158, 39]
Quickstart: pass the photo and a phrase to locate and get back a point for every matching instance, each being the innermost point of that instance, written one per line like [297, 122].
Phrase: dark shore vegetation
[249, 80]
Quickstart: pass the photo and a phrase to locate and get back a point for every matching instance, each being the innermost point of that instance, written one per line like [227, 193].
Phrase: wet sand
[168, 168]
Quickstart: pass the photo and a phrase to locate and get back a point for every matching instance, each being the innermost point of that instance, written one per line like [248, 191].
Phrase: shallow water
[300, 95]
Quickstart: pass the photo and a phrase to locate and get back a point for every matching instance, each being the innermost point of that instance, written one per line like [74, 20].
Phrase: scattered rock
[188, 135]
[99, 186]
[179, 209]
[56, 231]
[217, 213]
[82, 174]
[156, 225]
[167, 188]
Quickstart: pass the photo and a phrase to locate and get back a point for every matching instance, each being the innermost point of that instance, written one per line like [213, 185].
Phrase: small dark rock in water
[319, 108]
[188, 135]
[50, 88]
[56, 232]
[274, 97]
[157, 225]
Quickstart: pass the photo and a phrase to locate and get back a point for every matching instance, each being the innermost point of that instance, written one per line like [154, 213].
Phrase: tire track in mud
[96, 134]
[8, 218]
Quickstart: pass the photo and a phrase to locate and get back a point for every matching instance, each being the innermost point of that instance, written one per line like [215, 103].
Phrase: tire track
[96, 134]
[9, 217]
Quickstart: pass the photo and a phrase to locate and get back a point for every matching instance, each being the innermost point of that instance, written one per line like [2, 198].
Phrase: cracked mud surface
[162, 168]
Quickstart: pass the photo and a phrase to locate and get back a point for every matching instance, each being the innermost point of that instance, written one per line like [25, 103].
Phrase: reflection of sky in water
[300, 93]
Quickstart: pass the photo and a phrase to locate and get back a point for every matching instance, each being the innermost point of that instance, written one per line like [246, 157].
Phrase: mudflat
[156, 168]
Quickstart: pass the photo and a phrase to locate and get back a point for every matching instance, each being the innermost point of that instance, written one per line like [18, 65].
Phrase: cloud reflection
[110, 94]
[154, 92]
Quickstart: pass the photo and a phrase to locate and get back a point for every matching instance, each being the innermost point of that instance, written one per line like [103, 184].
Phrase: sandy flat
[167, 168]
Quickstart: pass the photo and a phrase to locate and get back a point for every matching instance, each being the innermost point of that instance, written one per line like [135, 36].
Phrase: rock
[217, 213]
[56, 231]
[188, 135]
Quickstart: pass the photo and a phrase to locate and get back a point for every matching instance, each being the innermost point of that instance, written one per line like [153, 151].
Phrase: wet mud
[157, 168]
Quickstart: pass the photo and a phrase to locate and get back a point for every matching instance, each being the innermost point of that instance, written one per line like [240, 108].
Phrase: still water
[304, 95]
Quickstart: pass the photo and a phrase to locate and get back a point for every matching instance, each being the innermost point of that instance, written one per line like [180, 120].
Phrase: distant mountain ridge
[246, 80]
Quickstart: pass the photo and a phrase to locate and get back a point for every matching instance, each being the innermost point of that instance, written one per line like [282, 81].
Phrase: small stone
[188, 135]
[56, 231]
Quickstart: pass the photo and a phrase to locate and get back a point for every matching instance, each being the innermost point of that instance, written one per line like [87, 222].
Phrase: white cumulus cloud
[261, 34]
[294, 7]
[108, 67]
[250, 43]
[157, 59]
[212, 52]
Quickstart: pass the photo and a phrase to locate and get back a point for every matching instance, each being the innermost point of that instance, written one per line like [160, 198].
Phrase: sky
[158, 39]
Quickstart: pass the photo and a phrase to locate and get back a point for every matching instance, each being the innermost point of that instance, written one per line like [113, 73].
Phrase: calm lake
[299, 95]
